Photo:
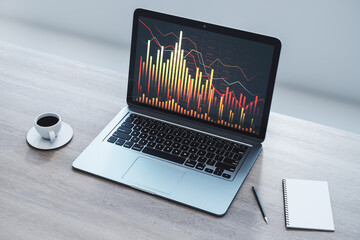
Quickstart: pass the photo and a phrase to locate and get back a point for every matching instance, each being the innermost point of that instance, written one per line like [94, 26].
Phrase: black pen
[260, 206]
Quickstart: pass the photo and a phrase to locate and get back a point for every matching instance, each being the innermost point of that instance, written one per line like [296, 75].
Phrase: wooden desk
[42, 197]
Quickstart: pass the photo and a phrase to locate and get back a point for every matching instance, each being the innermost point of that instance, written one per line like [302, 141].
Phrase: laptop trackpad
[154, 175]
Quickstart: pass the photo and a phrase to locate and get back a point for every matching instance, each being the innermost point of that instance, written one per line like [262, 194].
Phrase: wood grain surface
[42, 197]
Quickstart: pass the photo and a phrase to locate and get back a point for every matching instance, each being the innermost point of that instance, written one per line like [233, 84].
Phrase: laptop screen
[201, 74]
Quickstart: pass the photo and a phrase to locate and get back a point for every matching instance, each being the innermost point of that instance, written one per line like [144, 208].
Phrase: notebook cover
[307, 205]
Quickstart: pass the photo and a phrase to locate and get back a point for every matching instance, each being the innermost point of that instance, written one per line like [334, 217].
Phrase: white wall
[321, 39]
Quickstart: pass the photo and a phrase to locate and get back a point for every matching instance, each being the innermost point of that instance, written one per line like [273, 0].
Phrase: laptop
[198, 103]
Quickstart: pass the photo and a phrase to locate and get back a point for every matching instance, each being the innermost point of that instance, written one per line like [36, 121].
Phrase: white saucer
[36, 141]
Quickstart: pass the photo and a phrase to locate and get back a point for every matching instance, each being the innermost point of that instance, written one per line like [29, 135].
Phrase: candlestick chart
[175, 74]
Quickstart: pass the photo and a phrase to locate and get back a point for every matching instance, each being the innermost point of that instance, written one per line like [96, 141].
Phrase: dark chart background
[205, 75]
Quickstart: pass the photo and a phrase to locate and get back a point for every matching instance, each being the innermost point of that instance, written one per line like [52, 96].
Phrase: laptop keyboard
[199, 151]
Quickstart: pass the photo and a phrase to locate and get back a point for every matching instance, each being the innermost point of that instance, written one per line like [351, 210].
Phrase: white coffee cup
[48, 125]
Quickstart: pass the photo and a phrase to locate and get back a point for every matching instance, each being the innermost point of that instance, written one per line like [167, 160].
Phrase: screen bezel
[211, 28]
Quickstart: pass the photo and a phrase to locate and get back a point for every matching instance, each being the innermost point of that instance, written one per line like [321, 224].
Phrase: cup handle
[52, 136]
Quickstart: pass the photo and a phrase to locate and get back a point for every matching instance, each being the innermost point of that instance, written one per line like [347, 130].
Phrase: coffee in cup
[48, 125]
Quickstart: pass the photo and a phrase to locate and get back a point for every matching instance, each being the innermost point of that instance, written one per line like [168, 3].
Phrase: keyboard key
[201, 152]
[168, 131]
[168, 142]
[159, 146]
[231, 161]
[168, 149]
[161, 134]
[149, 120]
[161, 128]
[138, 147]
[185, 154]
[128, 144]
[176, 152]
[243, 147]
[194, 144]
[199, 134]
[177, 139]
[151, 138]
[219, 145]
[202, 159]
[210, 155]
[185, 135]
[227, 147]
[200, 166]
[177, 133]
[153, 126]
[145, 130]
[228, 154]
[237, 156]
[190, 163]
[238, 150]
[218, 158]
[112, 139]
[135, 133]
[143, 135]
[202, 140]
[193, 138]
[193, 157]
[218, 171]
[127, 125]
[220, 151]
[193, 150]
[137, 128]
[129, 119]
[151, 144]
[134, 139]
[226, 175]
[153, 132]
[120, 142]
[209, 137]
[169, 137]
[203, 147]
[235, 145]
[159, 140]
[176, 145]
[184, 148]
[209, 170]
[121, 135]
[225, 166]
[124, 130]
[211, 162]
[137, 121]
[225, 142]
[186, 142]
[164, 155]
[211, 149]
[143, 142]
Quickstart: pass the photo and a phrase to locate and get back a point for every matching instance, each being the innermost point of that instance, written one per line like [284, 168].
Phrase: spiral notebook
[307, 205]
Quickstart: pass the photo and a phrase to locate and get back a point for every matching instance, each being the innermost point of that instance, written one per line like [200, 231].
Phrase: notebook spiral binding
[285, 203]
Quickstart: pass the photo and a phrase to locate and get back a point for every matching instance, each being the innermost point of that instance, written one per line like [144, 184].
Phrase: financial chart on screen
[205, 75]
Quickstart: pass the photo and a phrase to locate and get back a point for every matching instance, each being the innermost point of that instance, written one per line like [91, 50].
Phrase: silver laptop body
[180, 182]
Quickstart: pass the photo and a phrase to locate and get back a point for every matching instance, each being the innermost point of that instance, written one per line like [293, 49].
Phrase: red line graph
[216, 60]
